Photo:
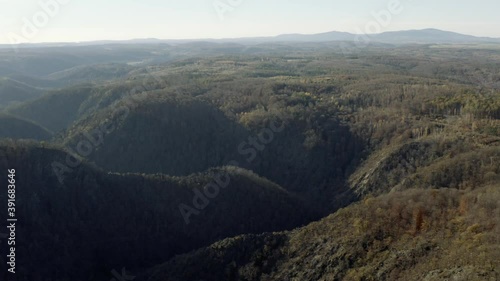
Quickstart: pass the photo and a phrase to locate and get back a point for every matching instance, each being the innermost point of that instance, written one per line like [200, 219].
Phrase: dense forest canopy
[302, 161]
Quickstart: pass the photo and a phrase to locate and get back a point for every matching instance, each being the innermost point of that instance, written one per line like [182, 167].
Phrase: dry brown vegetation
[412, 235]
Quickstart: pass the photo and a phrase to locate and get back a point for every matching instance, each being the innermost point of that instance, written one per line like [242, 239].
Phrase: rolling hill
[101, 220]
[411, 235]
[256, 161]
[15, 128]
[12, 92]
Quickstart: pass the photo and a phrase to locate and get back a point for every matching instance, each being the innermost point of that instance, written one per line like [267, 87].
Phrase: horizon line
[239, 38]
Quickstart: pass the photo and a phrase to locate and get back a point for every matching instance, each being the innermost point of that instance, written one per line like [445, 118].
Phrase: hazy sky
[84, 20]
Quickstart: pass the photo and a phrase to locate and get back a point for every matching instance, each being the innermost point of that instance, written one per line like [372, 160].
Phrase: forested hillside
[102, 220]
[377, 164]
[434, 234]
[16, 128]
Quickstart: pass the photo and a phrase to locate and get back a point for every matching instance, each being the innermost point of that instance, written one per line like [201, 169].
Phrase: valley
[282, 160]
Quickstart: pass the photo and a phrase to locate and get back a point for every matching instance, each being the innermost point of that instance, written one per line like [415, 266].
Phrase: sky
[34, 21]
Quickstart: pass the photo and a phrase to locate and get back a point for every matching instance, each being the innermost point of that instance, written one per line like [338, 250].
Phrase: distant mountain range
[423, 36]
